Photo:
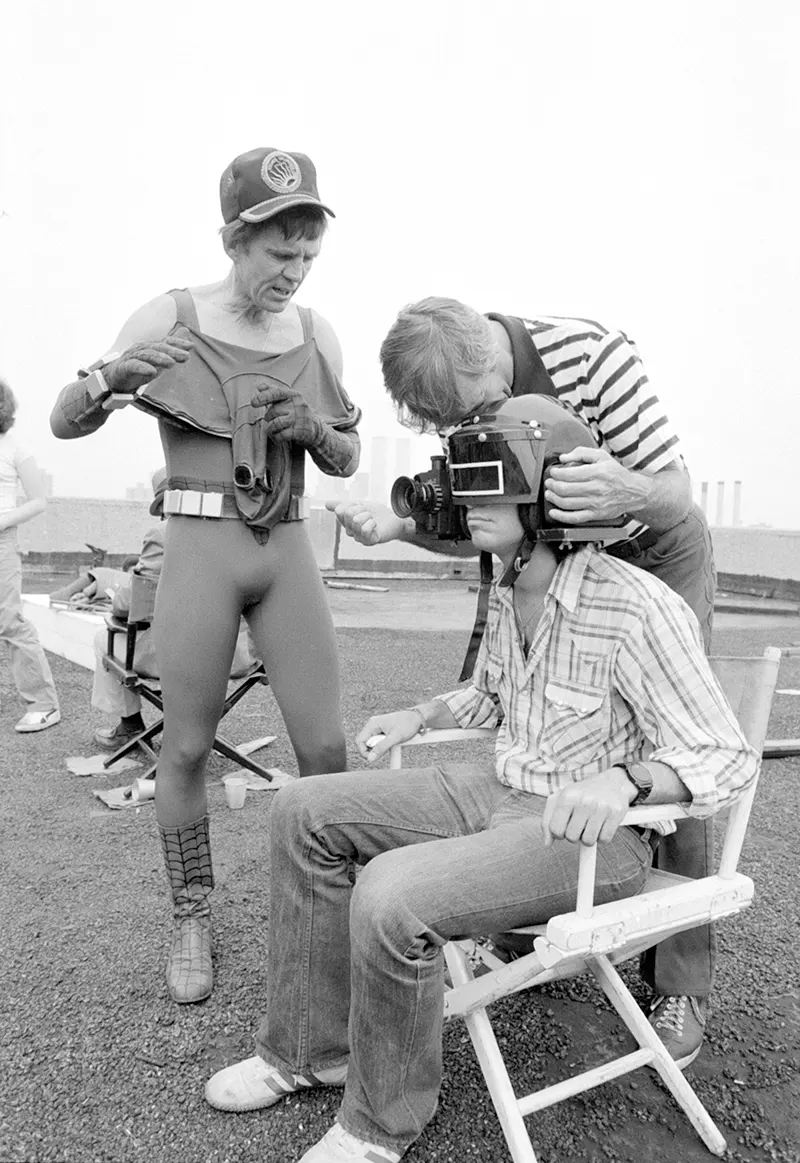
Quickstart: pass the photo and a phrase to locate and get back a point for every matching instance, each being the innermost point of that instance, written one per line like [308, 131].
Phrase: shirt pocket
[576, 719]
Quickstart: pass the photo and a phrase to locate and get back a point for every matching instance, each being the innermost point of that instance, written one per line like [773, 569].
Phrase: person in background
[108, 695]
[30, 669]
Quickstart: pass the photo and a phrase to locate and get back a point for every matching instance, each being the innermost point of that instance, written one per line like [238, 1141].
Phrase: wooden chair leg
[625, 1004]
[492, 1065]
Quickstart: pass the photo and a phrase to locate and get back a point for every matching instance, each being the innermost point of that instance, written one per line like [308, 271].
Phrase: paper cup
[143, 789]
[235, 790]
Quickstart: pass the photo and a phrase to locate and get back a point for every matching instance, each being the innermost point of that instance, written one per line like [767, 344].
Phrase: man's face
[495, 528]
[272, 268]
[479, 393]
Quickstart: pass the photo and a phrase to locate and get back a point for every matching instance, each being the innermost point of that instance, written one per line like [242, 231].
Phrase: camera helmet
[503, 456]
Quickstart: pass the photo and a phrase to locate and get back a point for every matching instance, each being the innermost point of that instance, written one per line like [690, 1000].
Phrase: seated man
[108, 694]
[597, 673]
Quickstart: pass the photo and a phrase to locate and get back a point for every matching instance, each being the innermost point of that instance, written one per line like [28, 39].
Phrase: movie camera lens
[410, 496]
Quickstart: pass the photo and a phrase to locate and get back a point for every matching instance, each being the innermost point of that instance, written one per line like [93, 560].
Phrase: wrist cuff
[95, 384]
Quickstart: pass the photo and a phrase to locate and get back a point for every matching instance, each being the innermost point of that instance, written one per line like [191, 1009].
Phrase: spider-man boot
[187, 858]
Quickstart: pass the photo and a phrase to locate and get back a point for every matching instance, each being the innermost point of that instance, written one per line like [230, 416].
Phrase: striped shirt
[600, 373]
[615, 673]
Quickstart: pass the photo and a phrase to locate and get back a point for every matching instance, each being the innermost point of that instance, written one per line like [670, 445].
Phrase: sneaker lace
[671, 1014]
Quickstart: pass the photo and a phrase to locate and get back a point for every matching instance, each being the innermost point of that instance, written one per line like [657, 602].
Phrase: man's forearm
[661, 500]
[436, 715]
[668, 787]
[76, 413]
[23, 513]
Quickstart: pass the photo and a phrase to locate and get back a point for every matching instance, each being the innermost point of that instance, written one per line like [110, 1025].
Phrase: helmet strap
[519, 561]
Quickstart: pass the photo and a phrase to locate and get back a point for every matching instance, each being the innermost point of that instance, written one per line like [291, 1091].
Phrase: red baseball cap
[259, 184]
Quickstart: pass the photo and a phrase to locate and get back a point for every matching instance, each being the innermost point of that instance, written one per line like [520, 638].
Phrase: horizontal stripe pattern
[616, 673]
[600, 373]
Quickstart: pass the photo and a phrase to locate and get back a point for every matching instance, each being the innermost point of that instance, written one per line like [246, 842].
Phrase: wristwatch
[641, 779]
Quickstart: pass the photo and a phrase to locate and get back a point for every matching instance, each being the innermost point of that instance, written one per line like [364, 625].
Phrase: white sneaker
[339, 1146]
[38, 720]
[253, 1084]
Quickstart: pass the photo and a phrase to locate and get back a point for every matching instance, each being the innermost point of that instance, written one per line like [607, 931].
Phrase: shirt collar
[568, 581]
[566, 584]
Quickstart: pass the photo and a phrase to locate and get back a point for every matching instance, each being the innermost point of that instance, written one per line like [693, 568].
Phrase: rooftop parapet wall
[119, 527]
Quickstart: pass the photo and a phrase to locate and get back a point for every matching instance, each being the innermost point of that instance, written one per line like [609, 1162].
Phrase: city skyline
[723, 502]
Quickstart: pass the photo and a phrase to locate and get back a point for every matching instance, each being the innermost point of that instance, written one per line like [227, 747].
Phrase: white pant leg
[107, 694]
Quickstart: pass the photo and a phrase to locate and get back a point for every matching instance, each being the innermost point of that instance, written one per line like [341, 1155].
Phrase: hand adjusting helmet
[503, 457]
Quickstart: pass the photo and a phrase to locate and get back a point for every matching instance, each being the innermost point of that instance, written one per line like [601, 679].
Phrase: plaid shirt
[615, 673]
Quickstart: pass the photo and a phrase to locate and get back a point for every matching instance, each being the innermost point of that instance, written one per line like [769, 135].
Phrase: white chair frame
[596, 938]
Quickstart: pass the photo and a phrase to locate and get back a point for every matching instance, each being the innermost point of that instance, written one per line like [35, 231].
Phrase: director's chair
[597, 938]
[146, 685]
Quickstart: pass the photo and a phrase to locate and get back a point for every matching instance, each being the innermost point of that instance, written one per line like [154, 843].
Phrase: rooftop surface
[101, 1067]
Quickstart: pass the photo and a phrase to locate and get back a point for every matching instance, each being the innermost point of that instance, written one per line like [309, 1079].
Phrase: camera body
[427, 498]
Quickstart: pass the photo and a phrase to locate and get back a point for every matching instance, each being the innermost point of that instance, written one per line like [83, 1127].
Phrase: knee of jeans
[384, 915]
[288, 807]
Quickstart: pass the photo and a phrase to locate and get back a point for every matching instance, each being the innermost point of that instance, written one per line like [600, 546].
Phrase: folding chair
[142, 608]
[595, 939]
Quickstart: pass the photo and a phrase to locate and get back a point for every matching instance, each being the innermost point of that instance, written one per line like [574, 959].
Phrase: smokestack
[720, 502]
[737, 503]
[704, 498]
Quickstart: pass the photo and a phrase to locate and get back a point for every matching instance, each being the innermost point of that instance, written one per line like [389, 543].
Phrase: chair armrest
[639, 817]
[448, 735]
[439, 735]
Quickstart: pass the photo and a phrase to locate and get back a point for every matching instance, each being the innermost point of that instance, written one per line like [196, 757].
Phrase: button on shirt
[615, 673]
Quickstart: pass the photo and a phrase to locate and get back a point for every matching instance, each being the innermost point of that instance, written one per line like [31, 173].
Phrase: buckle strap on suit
[197, 503]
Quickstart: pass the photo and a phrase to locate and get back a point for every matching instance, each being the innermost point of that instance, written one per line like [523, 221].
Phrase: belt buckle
[191, 503]
[210, 504]
[172, 501]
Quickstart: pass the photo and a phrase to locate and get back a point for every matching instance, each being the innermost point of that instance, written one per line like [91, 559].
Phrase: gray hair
[308, 222]
[428, 345]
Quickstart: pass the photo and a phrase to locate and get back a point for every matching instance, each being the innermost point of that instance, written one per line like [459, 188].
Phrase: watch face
[643, 780]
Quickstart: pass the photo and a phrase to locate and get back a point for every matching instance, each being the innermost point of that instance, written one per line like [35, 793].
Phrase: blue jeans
[355, 970]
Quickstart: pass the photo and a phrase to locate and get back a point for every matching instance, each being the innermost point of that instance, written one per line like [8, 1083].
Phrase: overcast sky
[632, 162]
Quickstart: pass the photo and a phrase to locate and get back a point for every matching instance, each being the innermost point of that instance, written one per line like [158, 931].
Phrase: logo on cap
[281, 172]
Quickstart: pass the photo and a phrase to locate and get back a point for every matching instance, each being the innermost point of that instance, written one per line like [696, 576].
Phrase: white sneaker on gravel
[38, 720]
[339, 1146]
[253, 1084]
